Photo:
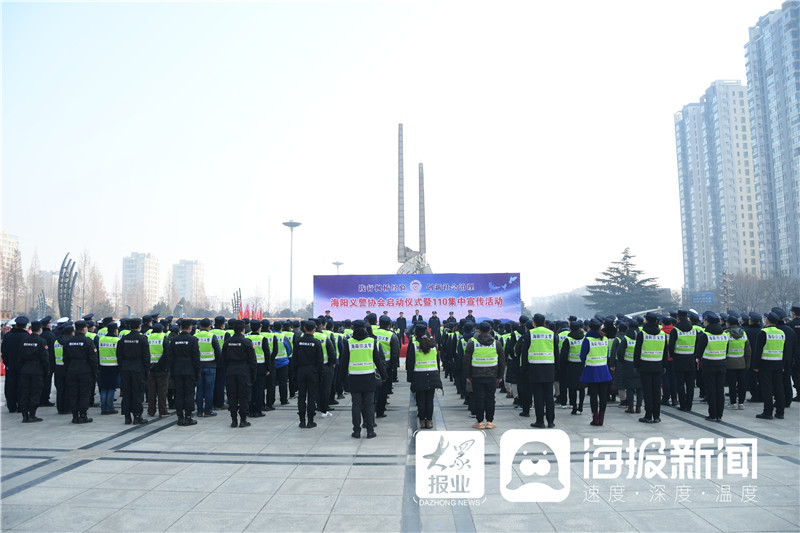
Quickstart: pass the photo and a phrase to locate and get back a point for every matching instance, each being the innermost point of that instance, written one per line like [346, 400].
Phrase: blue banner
[488, 296]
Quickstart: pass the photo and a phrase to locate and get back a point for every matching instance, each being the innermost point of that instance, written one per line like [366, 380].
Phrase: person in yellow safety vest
[712, 343]
[422, 371]
[768, 362]
[219, 379]
[364, 360]
[484, 366]
[596, 374]
[326, 378]
[737, 362]
[570, 359]
[649, 355]
[210, 352]
[108, 376]
[158, 377]
[390, 345]
[537, 352]
[265, 349]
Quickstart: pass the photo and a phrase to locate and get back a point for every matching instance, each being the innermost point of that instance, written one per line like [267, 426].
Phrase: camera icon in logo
[534, 465]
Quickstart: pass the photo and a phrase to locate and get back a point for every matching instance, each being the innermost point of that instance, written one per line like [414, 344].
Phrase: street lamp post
[291, 225]
[338, 264]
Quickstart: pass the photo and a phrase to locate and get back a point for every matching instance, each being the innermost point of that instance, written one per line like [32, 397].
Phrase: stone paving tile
[134, 481]
[311, 486]
[320, 471]
[250, 485]
[65, 518]
[377, 487]
[137, 520]
[212, 522]
[85, 480]
[166, 500]
[255, 470]
[42, 494]
[11, 515]
[118, 467]
[436, 523]
[318, 504]
[667, 520]
[359, 505]
[225, 501]
[588, 520]
[511, 522]
[730, 518]
[286, 522]
[190, 483]
[790, 513]
[107, 498]
[366, 523]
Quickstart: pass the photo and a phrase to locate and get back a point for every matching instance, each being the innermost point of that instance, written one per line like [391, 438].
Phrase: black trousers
[543, 402]
[11, 390]
[132, 387]
[651, 389]
[323, 396]
[714, 377]
[270, 383]
[30, 392]
[47, 385]
[381, 395]
[425, 404]
[754, 385]
[598, 392]
[219, 387]
[524, 394]
[238, 389]
[282, 377]
[787, 386]
[257, 393]
[307, 390]
[575, 397]
[60, 381]
[79, 388]
[771, 381]
[736, 384]
[483, 398]
[685, 379]
[184, 394]
[363, 408]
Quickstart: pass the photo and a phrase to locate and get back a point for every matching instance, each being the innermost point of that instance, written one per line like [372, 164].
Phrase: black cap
[147, 318]
[158, 327]
[384, 319]
[169, 318]
[219, 319]
[484, 327]
[134, 323]
[154, 316]
[712, 318]
[205, 323]
[185, 323]
[80, 324]
[46, 320]
[795, 309]
[572, 318]
[36, 324]
[779, 312]
[595, 324]
[265, 323]
[538, 318]
[90, 323]
[107, 320]
[773, 317]
[174, 329]
[21, 321]
[359, 324]
[755, 317]
[89, 316]
[732, 320]
[420, 327]
[651, 317]
[468, 327]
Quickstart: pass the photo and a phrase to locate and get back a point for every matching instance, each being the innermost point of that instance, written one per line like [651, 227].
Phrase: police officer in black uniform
[50, 338]
[133, 358]
[80, 362]
[307, 362]
[184, 358]
[34, 366]
[239, 361]
[11, 350]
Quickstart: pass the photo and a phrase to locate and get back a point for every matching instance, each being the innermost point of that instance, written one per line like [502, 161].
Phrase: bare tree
[117, 296]
[82, 287]
[781, 291]
[14, 283]
[34, 281]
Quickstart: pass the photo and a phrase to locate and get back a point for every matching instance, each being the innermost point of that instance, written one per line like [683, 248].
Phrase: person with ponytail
[422, 371]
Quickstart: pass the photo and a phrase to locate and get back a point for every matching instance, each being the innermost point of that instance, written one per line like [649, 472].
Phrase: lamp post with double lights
[291, 225]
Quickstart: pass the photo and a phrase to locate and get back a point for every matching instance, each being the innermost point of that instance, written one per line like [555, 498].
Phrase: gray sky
[193, 130]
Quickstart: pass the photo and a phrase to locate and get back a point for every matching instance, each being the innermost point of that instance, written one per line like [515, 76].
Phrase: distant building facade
[716, 183]
[773, 96]
[140, 273]
[188, 278]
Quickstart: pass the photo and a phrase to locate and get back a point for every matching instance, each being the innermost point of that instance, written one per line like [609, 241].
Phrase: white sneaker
[730, 406]
[740, 407]
[326, 415]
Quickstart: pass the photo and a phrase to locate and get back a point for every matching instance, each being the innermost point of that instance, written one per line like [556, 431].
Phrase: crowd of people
[642, 362]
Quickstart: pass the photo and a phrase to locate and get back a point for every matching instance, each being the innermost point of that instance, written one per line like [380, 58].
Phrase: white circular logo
[415, 285]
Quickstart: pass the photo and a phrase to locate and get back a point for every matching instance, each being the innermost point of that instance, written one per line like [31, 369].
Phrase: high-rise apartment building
[140, 274]
[717, 187]
[773, 77]
[188, 278]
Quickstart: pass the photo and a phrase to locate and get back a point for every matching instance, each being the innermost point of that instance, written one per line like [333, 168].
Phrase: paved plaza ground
[275, 476]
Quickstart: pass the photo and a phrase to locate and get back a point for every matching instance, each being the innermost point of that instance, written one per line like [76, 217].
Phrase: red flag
[260, 316]
[240, 311]
[247, 311]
